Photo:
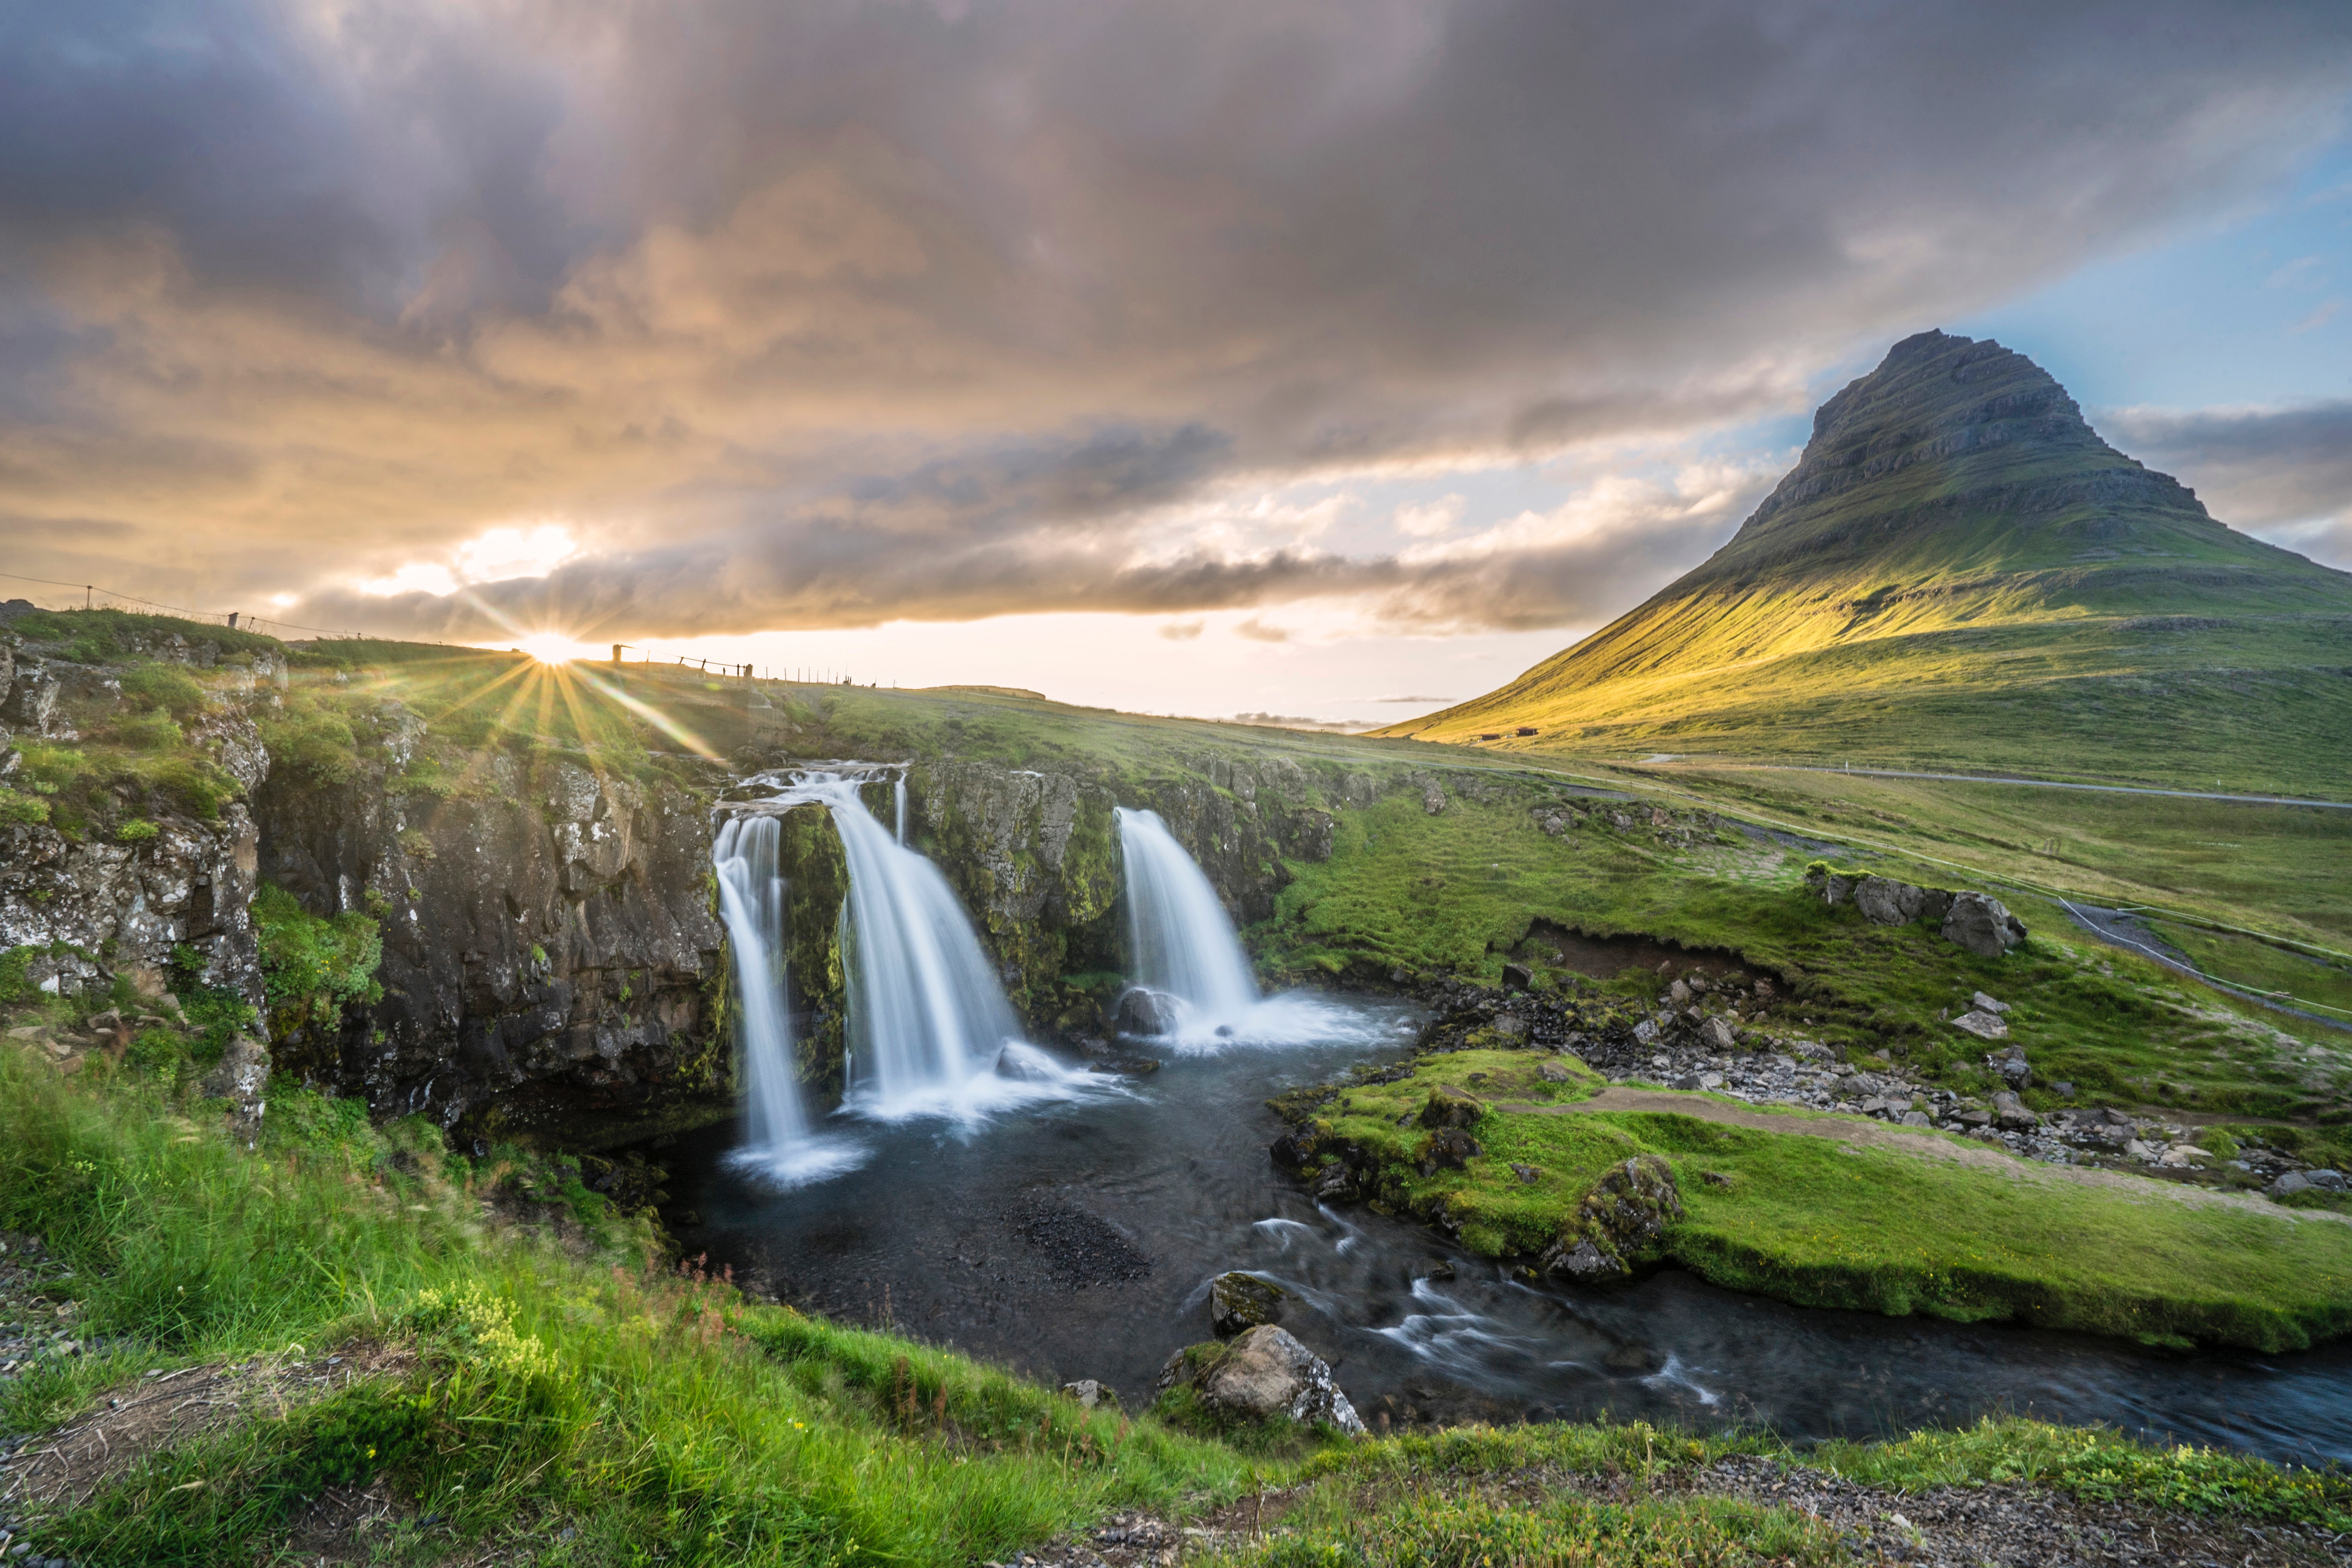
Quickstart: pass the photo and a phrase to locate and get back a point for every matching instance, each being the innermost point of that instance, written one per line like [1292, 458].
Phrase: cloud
[1258, 631]
[2285, 473]
[1183, 631]
[838, 315]
[1429, 519]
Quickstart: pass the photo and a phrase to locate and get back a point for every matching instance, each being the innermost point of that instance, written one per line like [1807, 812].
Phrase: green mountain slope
[1960, 572]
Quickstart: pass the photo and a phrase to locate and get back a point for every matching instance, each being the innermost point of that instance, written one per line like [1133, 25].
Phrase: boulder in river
[1239, 1303]
[1143, 1011]
[1267, 1373]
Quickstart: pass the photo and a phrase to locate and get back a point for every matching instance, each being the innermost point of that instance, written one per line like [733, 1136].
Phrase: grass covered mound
[1826, 1222]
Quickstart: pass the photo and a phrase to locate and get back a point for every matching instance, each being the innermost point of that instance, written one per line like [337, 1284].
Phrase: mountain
[1960, 572]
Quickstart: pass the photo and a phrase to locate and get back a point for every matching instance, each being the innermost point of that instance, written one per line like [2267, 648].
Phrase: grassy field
[588, 1403]
[1822, 1223]
[1460, 892]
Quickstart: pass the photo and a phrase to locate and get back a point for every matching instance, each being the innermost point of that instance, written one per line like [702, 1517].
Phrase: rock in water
[1982, 924]
[1239, 1303]
[1267, 1373]
[1142, 1012]
[1625, 1212]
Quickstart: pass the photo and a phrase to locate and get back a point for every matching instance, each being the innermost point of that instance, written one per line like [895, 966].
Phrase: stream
[1075, 1237]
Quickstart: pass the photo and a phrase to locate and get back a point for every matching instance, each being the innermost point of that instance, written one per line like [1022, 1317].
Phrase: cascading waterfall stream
[751, 907]
[1184, 947]
[929, 1030]
[1182, 941]
[899, 806]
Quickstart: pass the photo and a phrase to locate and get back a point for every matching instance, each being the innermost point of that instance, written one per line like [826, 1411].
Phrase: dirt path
[1864, 1132]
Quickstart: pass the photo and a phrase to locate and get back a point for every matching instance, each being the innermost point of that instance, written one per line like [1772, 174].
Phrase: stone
[241, 1077]
[1716, 1034]
[1984, 1003]
[1983, 1025]
[1267, 1373]
[1689, 1081]
[1554, 1072]
[1645, 1031]
[2011, 1112]
[1916, 1119]
[1624, 1213]
[2137, 1149]
[1239, 1301]
[1518, 977]
[2012, 1066]
[2327, 1181]
[1679, 993]
[1887, 902]
[1144, 1012]
[1448, 1149]
[1092, 1394]
[2063, 1088]
[1511, 1026]
[2184, 1154]
[1982, 924]
[2287, 1186]
[1529, 1174]
[1449, 1107]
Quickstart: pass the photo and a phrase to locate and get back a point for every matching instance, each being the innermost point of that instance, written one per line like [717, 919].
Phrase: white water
[752, 904]
[1184, 947]
[930, 1033]
[899, 806]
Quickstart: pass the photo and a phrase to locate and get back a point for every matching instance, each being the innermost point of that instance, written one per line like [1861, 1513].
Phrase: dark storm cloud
[2252, 467]
[842, 312]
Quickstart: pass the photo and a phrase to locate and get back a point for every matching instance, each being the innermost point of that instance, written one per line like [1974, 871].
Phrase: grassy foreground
[1823, 1222]
[586, 1403]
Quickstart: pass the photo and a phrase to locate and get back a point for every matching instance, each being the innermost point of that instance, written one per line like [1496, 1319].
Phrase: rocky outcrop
[550, 956]
[1976, 922]
[92, 909]
[1983, 925]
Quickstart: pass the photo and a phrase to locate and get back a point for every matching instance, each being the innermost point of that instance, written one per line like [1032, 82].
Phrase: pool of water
[1076, 1238]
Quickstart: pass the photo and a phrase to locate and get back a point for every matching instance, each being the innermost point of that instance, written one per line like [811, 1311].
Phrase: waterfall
[1183, 943]
[899, 804]
[751, 906]
[931, 1032]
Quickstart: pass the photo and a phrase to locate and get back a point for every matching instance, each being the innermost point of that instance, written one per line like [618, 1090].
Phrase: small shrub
[313, 741]
[311, 967]
[16, 970]
[154, 732]
[25, 810]
[138, 830]
[2217, 1142]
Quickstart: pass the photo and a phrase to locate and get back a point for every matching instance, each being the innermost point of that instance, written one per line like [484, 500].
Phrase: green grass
[659, 1415]
[1459, 892]
[1820, 1223]
[1479, 1496]
[649, 1410]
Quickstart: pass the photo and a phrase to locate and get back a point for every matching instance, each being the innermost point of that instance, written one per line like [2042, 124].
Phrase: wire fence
[97, 598]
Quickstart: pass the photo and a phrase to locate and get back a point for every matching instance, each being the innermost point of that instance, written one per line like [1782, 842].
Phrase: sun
[551, 648]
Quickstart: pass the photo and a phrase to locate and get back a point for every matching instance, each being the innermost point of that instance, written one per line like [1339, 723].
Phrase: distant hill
[1960, 572]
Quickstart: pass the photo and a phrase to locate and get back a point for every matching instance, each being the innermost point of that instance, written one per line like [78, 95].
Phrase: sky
[1320, 360]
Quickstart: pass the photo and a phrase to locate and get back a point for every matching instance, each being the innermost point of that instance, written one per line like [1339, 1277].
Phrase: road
[2041, 784]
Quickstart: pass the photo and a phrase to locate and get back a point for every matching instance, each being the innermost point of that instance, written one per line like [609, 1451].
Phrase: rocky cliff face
[550, 956]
